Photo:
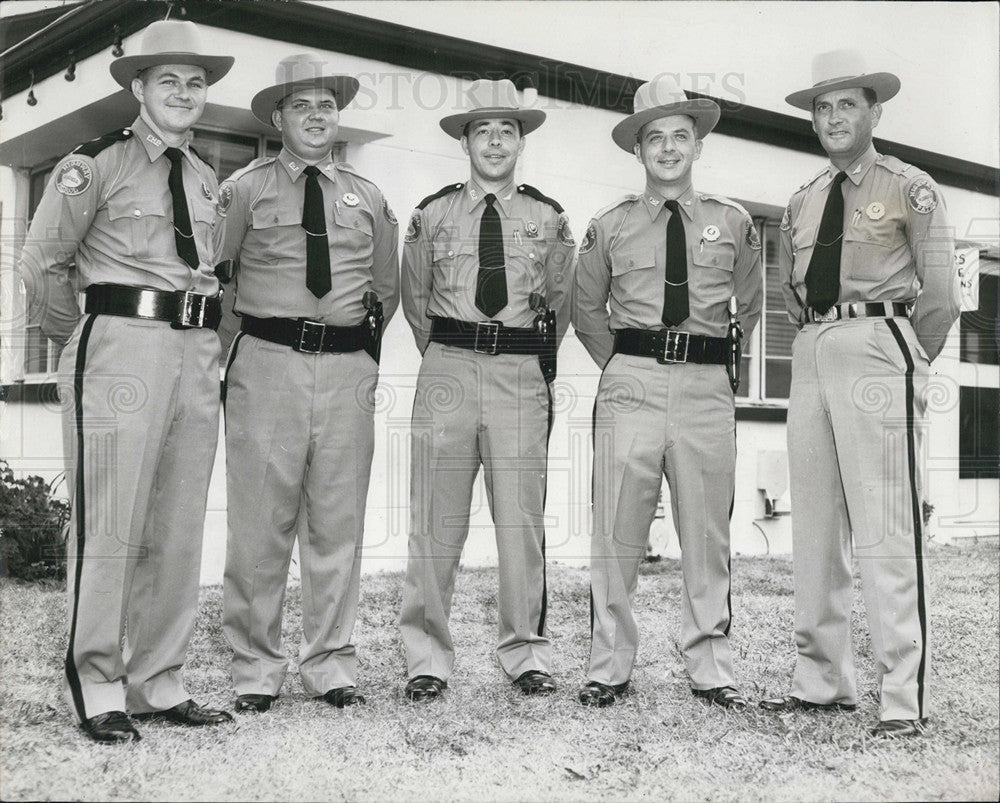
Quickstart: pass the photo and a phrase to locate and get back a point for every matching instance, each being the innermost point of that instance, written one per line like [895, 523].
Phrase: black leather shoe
[254, 703]
[111, 727]
[726, 696]
[423, 688]
[348, 695]
[891, 728]
[535, 683]
[601, 695]
[187, 713]
[790, 703]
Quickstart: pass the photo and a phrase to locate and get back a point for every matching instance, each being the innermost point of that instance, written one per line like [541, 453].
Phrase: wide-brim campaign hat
[490, 100]
[843, 69]
[664, 97]
[170, 42]
[298, 72]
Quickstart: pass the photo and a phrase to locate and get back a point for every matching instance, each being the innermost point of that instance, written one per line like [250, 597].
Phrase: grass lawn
[483, 741]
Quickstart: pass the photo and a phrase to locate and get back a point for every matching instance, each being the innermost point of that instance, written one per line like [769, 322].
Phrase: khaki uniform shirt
[262, 204]
[113, 215]
[897, 243]
[623, 258]
[441, 258]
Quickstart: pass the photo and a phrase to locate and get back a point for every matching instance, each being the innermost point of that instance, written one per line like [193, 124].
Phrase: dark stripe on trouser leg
[72, 677]
[545, 491]
[911, 455]
[225, 376]
[729, 560]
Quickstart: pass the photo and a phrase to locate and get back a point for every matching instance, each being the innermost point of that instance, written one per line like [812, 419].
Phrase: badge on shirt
[589, 239]
[753, 239]
[225, 198]
[711, 234]
[350, 199]
[413, 230]
[875, 211]
[923, 198]
[385, 210]
[563, 233]
[531, 228]
[74, 177]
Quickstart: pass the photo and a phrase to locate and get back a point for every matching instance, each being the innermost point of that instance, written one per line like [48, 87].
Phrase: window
[978, 332]
[979, 433]
[41, 355]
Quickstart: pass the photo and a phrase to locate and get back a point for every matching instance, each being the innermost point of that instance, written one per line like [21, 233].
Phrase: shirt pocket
[635, 277]
[266, 219]
[867, 246]
[803, 243]
[449, 255]
[353, 231]
[144, 222]
[715, 263]
[526, 267]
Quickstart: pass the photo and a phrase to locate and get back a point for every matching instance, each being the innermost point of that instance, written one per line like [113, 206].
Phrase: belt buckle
[829, 316]
[675, 348]
[192, 312]
[311, 337]
[492, 331]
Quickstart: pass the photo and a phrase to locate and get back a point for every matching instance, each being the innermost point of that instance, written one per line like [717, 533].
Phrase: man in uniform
[487, 270]
[866, 267]
[317, 271]
[136, 211]
[670, 260]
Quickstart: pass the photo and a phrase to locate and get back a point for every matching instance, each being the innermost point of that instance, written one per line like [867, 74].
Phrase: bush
[33, 526]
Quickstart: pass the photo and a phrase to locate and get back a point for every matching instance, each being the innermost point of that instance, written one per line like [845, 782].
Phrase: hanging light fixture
[118, 51]
[71, 68]
[32, 100]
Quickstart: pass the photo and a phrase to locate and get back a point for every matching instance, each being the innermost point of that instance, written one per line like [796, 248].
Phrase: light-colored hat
[490, 100]
[663, 97]
[843, 69]
[298, 72]
[170, 42]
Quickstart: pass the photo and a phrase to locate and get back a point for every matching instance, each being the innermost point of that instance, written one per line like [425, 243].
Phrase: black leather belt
[310, 337]
[670, 346]
[183, 310]
[486, 337]
[870, 309]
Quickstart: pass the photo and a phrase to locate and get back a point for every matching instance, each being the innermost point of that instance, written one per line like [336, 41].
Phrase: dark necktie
[675, 290]
[823, 275]
[183, 238]
[491, 282]
[317, 247]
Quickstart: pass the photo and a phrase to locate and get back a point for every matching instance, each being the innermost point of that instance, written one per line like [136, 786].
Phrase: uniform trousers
[469, 410]
[299, 442]
[855, 435]
[652, 420]
[140, 404]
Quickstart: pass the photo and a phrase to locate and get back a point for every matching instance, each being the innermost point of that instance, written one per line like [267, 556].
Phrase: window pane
[978, 436]
[778, 377]
[36, 186]
[744, 389]
[226, 153]
[36, 351]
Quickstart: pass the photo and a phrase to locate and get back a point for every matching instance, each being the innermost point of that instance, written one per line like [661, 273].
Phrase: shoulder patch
[786, 219]
[611, 207]
[413, 229]
[531, 192]
[95, 146]
[225, 197]
[74, 176]
[923, 197]
[563, 233]
[589, 239]
[753, 238]
[388, 212]
[439, 194]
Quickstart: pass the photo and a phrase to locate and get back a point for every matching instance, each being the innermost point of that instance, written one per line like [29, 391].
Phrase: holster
[375, 319]
[547, 359]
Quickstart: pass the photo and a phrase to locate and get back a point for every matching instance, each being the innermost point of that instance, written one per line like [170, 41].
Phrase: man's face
[308, 122]
[844, 122]
[173, 96]
[493, 147]
[668, 148]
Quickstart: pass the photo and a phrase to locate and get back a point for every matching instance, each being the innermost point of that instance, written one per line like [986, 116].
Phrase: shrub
[33, 525]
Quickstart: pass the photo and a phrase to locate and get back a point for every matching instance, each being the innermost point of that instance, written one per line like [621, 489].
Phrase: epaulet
[440, 194]
[262, 161]
[347, 168]
[611, 207]
[894, 165]
[722, 199]
[812, 180]
[95, 146]
[527, 189]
